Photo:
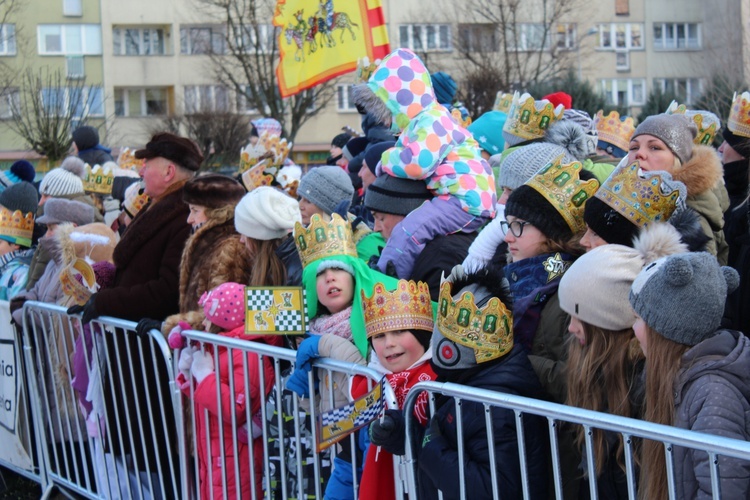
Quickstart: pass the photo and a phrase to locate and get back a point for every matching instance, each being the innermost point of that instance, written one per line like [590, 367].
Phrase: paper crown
[503, 102]
[80, 292]
[365, 68]
[641, 200]
[324, 239]
[128, 161]
[708, 123]
[488, 329]
[135, 199]
[562, 187]
[528, 119]
[614, 130]
[256, 176]
[270, 149]
[17, 225]
[456, 114]
[98, 179]
[408, 307]
[739, 115]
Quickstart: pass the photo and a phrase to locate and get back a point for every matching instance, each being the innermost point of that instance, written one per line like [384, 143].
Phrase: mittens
[203, 365]
[389, 432]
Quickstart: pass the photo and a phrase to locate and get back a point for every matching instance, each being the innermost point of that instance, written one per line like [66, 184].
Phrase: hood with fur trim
[702, 172]
[92, 242]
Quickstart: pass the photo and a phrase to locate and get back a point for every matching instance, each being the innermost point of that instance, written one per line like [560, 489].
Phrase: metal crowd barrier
[628, 428]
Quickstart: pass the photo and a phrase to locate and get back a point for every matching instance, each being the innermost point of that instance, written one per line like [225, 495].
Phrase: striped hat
[66, 180]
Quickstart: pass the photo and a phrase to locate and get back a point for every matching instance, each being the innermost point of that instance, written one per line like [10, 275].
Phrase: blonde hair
[267, 267]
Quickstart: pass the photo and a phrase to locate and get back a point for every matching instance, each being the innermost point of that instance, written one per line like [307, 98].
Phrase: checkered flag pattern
[287, 321]
[334, 425]
[259, 299]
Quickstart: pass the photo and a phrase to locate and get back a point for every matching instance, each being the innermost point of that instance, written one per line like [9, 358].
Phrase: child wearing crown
[432, 147]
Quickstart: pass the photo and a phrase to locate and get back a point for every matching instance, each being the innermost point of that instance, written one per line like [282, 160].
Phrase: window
[624, 92]
[687, 89]
[527, 36]
[205, 98]
[72, 8]
[202, 40]
[137, 41]
[479, 38]
[261, 37]
[622, 60]
[425, 37]
[75, 67]
[344, 102]
[7, 39]
[566, 36]
[75, 101]
[10, 99]
[677, 36]
[618, 36]
[141, 102]
[69, 39]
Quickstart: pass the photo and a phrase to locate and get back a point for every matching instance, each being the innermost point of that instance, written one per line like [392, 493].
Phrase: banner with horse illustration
[322, 39]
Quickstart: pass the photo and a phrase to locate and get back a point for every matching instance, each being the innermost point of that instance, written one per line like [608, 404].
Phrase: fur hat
[213, 191]
[224, 306]
[682, 296]
[374, 153]
[60, 210]
[21, 196]
[266, 213]
[66, 180]
[93, 242]
[488, 131]
[328, 188]
[676, 131]
[179, 150]
[393, 195]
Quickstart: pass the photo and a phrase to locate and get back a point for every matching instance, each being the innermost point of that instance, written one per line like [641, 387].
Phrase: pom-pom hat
[224, 306]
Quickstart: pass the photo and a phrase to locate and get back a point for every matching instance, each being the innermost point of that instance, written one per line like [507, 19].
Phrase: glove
[484, 246]
[389, 432]
[203, 365]
[88, 310]
[17, 303]
[390, 269]
[297, 383]
[175, 338]
[186, 361]
[306, 353]
[146, 325]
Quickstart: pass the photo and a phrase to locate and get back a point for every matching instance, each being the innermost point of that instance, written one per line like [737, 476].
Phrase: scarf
[335, 324]
[24, 253]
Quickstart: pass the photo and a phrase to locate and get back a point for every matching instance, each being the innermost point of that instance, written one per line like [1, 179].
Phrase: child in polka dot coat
[224, 308]
[431, 147]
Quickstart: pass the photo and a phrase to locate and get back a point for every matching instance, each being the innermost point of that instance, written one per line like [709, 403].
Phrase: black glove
[146, 325]
[390, 433]
[88, 310]
[390, 269]
[17, 303]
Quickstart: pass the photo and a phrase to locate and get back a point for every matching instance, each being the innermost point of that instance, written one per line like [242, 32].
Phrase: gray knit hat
[521, 165]
[677, 132]
[327, 188]
[21, 196]
[59, 210]
[393, 195]
[682, 296]
[65, 180]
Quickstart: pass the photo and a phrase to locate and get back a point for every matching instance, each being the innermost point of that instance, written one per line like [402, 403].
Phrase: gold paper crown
[456, 114]
[365, 69]
[135, 200]
[488, 330]
[613, 130]
[256, 176]
[739, 115]
[324, 239]
[17, 225]
[98, 179]
[408, 307]
[503, 102]
[128, 161]
[708, 123]
[528, 119]
[270, 149]
[80, 292]
[562, 187]
[638, 199]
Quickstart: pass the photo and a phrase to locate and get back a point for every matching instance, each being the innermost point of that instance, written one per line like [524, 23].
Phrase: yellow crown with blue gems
[706, 122]
[98, 179]
[408, 307]
[560, 184]
[488, 330]
[323, 239]
[739, 115]
[641, 200]
[529, 119]
[613, 129]
[503, 102]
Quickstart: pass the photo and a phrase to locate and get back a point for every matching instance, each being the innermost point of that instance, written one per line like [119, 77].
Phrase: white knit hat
[65, 180]
[266, 214]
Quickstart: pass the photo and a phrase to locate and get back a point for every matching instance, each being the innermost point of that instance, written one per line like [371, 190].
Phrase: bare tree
[248, 60]
[9, 37]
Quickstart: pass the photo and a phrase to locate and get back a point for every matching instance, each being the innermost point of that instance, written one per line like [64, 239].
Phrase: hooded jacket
[712, 395]
[432, 146]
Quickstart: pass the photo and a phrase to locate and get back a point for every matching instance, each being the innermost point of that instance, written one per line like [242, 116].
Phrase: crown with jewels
[488, 329]
[562, 187]
[739, 115]
[256, 176]
[17, 225]
[270, 149]
[80, 292]
[323, 239]
[503, 102]
[98, 179]
[365, 68]
[408, 307]
[128, 161]
[456, 114]
[708, 123]
[613, 129]
[529, 119]
[641, 200]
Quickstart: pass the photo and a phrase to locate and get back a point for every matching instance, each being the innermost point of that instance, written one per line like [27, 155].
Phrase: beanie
[21, 196]
[66, 180]
[738, 143]
[521, 164]
[374, 153]
[682, 296]
[611, 149]
[445, 87]
[59, 210]
[224, 306]
[326, 187]
[24, 170]
[488, 131]
[85, 137]
[676, 131]
[340, 140]
[393, 195]
[558, 98]
[608, 224]
[266, 213]
[212, 191]
[354, 147]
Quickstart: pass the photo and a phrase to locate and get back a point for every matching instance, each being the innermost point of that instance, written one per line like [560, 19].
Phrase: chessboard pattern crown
[408, 307]
[324, 239]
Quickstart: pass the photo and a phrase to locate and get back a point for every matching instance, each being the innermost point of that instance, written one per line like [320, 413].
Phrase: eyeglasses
[515, 227]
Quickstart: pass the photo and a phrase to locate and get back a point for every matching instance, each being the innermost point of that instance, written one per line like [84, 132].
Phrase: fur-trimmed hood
[702, 172]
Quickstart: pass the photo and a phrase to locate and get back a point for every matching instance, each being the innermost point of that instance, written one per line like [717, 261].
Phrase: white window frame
[138, 94]
[194, 95]
[7, 39]
[10, 98]
[622, 60]
[609, 30]
[247, 41]
[72, 8]
[663, 43]
[75, 67]
[86, 100]
[90, 36]
[344, 102]
[440, 34]
[476, 34]
[692, 94]
[119, 40]
[629, 84]
[568, 33]
[186, 41]
[525, 36]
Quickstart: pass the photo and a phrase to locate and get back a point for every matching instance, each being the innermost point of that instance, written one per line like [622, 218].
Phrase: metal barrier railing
[628, 428]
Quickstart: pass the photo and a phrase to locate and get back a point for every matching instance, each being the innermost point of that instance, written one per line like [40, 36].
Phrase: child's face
[397, 350]
[576, 328]
[335, 288]
[308, 209]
